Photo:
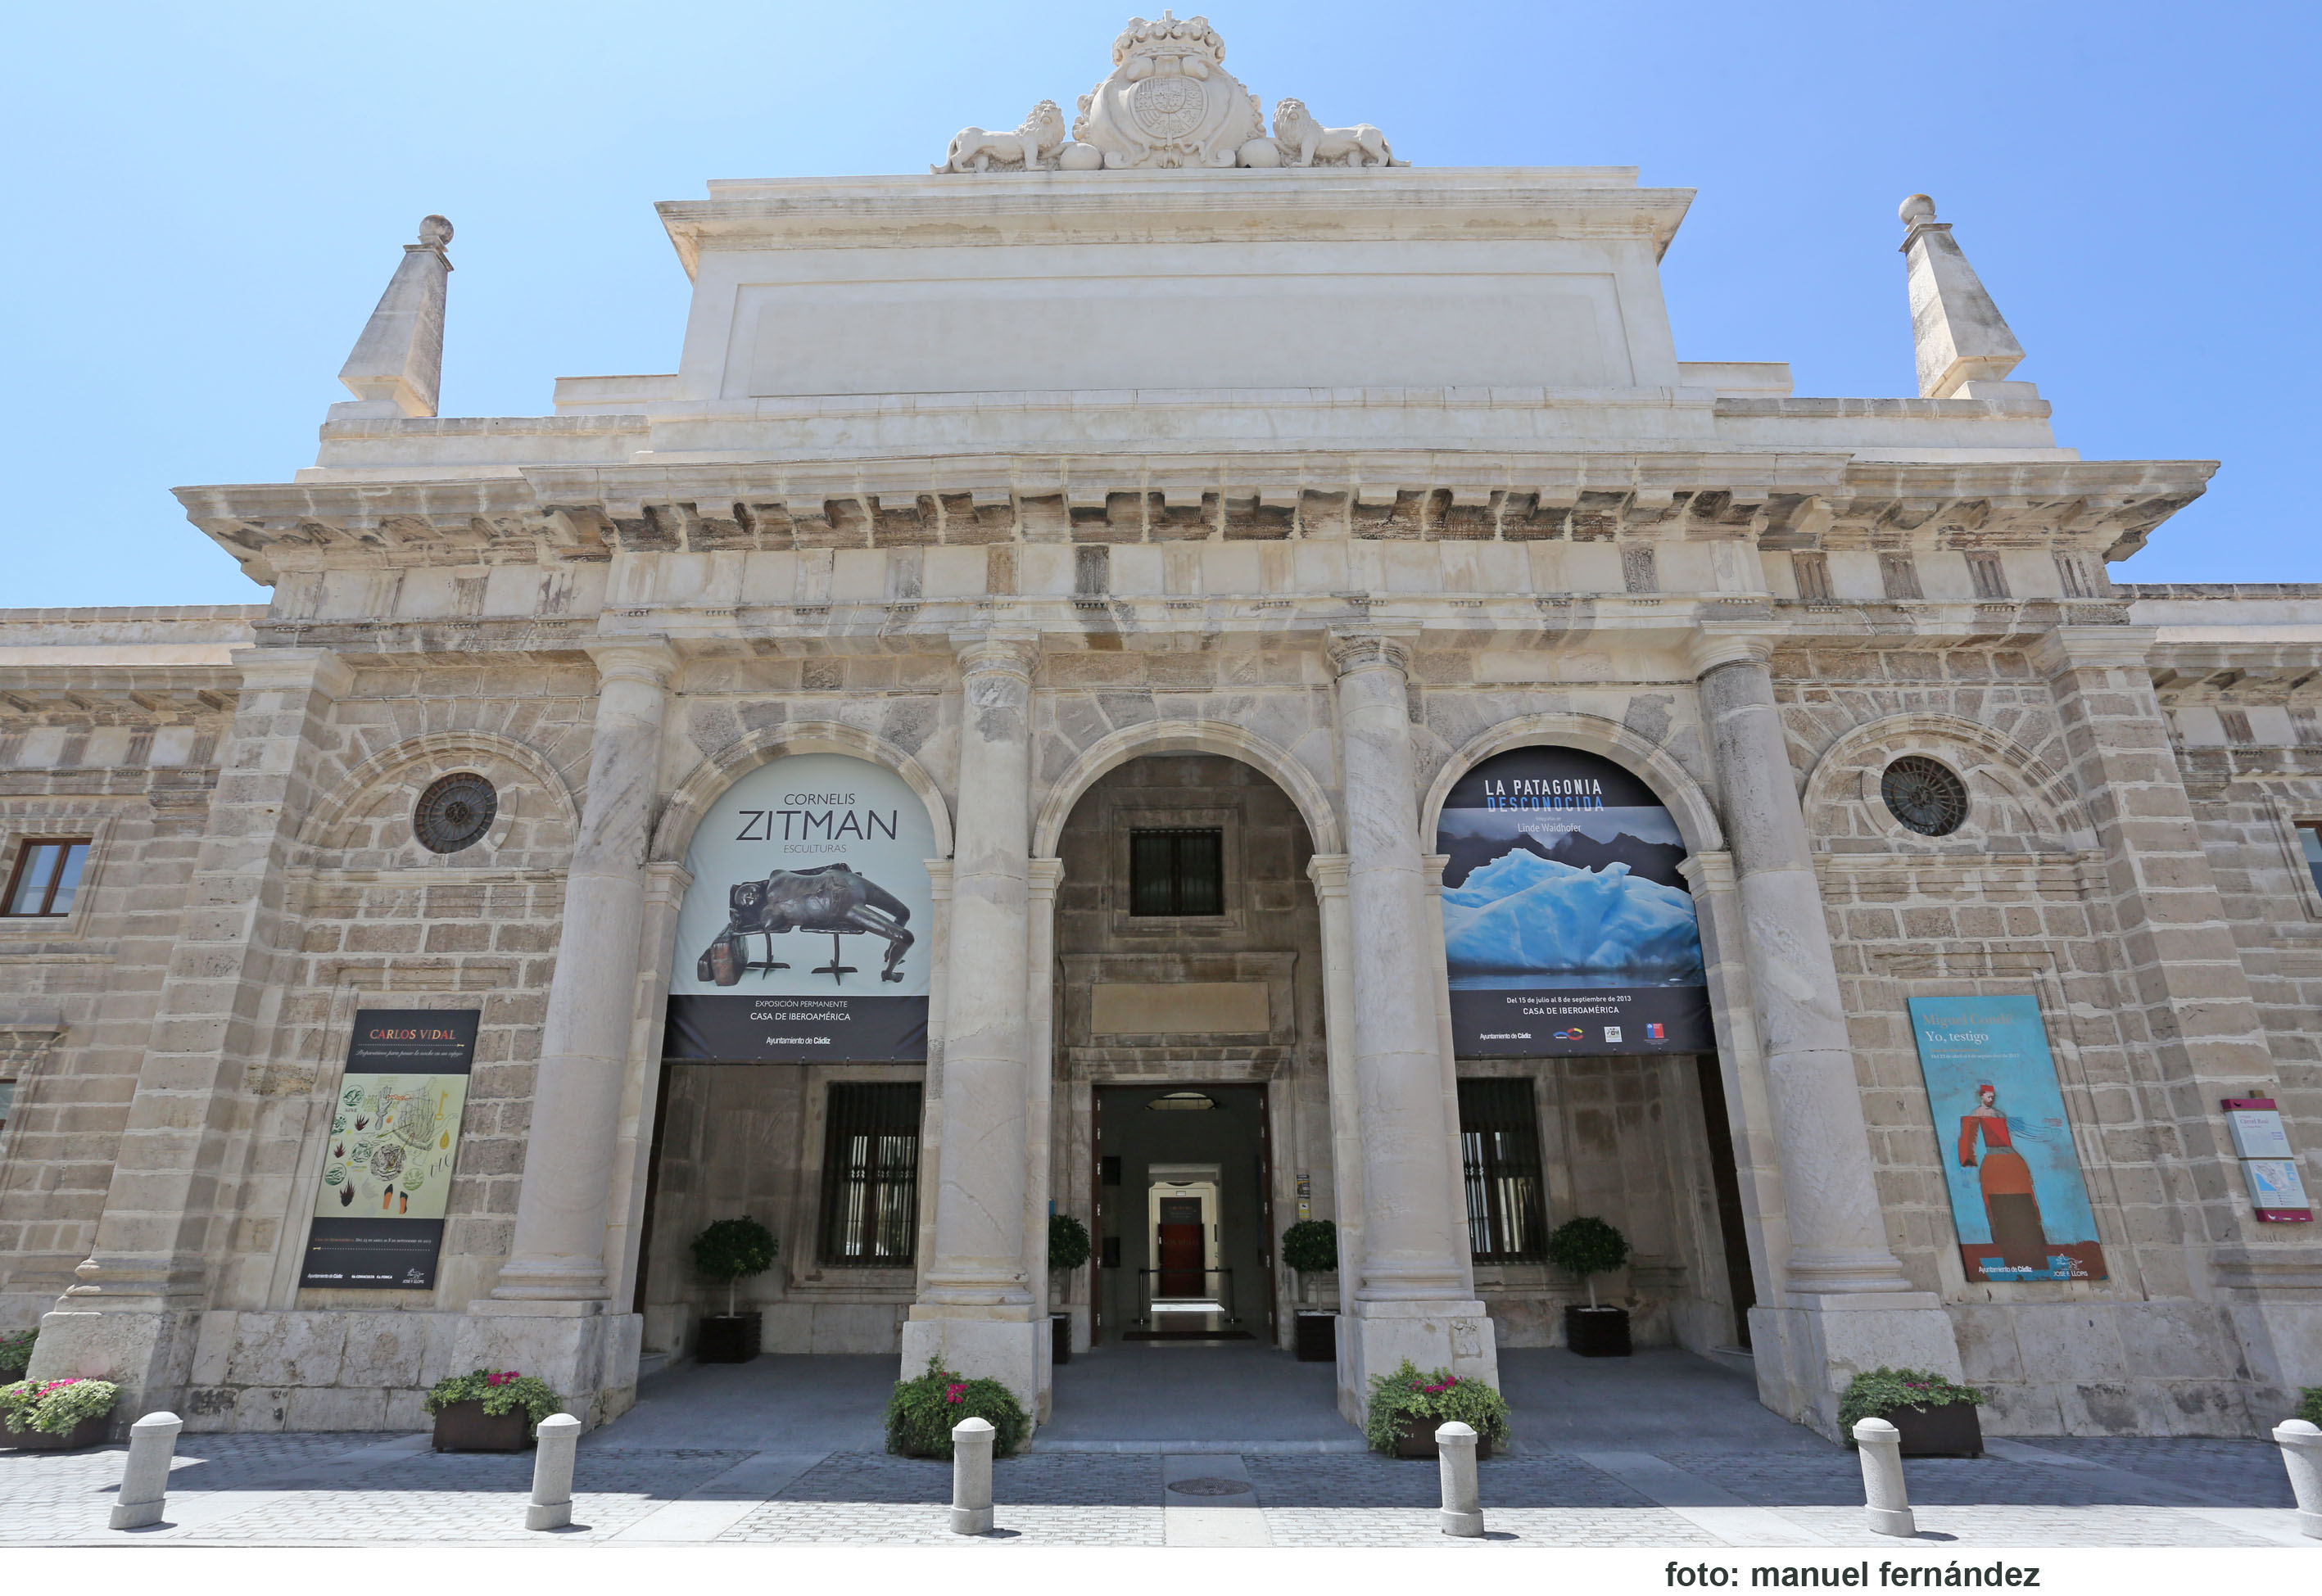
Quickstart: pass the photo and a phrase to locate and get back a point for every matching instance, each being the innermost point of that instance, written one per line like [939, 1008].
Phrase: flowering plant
[501, 1390]
[1879, 1391]
[16, 1353]
[54, 1407]
[2309, 1403]
[922, 1411]
[1408, 1397]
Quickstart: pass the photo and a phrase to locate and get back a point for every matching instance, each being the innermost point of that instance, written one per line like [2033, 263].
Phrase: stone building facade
[1169, 479]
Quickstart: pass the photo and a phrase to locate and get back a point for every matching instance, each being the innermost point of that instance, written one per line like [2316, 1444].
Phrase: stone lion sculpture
[1305, 142]
[1035, 144]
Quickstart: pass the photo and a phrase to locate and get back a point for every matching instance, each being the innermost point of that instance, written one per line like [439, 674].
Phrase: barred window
[871, 1174]
[1176, 872]
[1499, 1143]
[47, 876]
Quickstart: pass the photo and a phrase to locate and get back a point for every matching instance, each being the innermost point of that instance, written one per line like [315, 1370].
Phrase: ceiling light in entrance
[1183, 1099]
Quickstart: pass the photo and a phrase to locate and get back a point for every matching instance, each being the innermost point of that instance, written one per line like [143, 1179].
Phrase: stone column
[133, 1317]
[1414, 1297]
[977, 1309]
[1327, 871]
[1847, 1304]
[556, 1277]
[2187, 998]
[1039, 1015]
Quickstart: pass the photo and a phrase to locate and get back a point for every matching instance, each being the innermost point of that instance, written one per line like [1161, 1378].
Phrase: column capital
[2082, 648]
[1327, 871]
[1014, 653]
[1712, 645]
[294, 670]
[1366, 648]
[1043, 875]
[647, 660]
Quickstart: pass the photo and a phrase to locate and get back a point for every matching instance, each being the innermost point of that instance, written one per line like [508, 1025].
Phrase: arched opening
[791, 1088]
[1191, 1103]
[1589, 1081]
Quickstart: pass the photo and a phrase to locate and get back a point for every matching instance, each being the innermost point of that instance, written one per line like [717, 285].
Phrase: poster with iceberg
[1567, 928]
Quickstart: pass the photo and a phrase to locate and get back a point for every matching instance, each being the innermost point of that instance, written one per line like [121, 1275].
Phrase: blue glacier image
[1523, 913]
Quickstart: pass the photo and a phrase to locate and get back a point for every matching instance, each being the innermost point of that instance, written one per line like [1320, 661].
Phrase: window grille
[47, 877]
[1499, 1143]
[871, 1175]
[1176, 872]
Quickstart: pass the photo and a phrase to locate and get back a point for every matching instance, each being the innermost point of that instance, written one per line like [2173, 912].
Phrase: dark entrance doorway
[1184, 1183]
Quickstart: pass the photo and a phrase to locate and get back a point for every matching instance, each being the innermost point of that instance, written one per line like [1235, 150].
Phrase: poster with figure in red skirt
[2018, 1201]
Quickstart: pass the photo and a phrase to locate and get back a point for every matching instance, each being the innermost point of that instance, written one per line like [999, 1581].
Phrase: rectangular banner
[802, 937]
[1567, 928]
[392, 1141]
[2018, 1202]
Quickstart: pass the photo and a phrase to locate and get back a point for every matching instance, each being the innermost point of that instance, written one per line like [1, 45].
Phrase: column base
[1377, 1336]
[1809, 1348]
[588, 1356]
[1012, 1351]
[148, 1354]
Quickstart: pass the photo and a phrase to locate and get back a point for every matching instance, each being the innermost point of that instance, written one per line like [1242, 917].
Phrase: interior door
[1177, 1247]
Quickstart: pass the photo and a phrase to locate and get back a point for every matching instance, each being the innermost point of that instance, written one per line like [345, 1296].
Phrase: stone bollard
[1455, 1455]
[971, 1476]
[145, 1479]
[2301, 1454]
[1882, 1446]
[552, 1473]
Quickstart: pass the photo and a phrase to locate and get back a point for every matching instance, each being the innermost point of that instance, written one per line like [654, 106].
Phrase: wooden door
[1177, 1251]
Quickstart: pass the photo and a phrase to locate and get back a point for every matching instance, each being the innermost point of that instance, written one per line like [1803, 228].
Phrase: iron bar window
[47, 876]
[871, 1174]
[1499, 1143]
[1176, 872]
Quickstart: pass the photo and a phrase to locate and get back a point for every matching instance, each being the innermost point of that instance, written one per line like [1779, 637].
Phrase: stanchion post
[1880, 1444]
[558, 1442]
[971, 1476]
[1463, 1504]
[145, 1478]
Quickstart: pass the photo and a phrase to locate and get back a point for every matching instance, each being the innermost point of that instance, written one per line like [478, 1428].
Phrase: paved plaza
[1665, 1450]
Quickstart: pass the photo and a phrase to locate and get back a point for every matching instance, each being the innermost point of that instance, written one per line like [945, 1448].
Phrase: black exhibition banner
[391, 1143]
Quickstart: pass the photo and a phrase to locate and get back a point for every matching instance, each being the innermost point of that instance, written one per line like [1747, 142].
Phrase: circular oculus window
[454, 813]
[1924, 794]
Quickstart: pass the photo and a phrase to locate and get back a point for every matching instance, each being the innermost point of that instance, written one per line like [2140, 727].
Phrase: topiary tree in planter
[1587, 1246]
[1068, 1249]
[733, 1251]
[1310, 1246]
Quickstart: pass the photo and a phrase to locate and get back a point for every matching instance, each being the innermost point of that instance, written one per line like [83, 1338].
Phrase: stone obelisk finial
[397, 363]
[1959, 333]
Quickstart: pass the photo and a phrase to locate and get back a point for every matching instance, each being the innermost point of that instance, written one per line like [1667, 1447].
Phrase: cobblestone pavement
[340, 1489]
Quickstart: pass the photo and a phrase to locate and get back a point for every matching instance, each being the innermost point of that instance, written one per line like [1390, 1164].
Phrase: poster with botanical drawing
[2017, 1197]
[392, 1141]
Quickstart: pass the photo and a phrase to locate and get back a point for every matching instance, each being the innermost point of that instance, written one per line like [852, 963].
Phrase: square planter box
[1317, 1337]
[1952, 1430]
[1060, 1338]
[465, 1426]
[1598, 1332]
[1415, 1437]
[728, 1337]
[88, 1432]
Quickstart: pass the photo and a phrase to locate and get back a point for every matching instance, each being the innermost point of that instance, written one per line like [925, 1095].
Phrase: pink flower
[954, 1394]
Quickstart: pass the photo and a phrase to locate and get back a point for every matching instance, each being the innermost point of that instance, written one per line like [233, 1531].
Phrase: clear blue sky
[208, 199]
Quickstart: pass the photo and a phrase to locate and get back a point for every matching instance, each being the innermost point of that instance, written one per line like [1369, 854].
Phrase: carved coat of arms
[1169, 102]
